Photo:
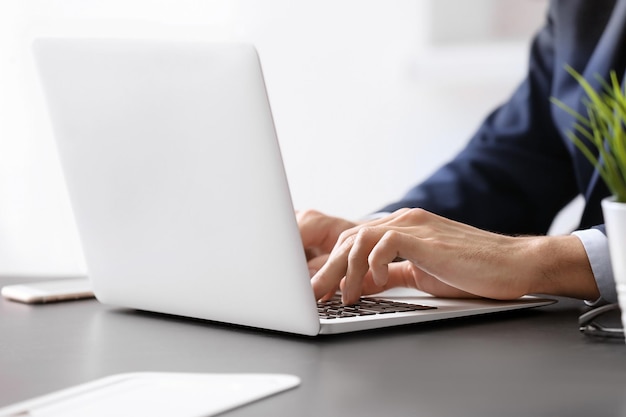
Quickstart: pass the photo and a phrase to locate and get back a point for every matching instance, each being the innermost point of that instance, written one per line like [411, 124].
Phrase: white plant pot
[615, 222]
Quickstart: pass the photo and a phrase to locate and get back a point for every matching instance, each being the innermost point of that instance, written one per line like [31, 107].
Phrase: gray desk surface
[531, 363]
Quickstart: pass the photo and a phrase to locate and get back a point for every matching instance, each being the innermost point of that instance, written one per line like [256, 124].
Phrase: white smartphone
[49, 291]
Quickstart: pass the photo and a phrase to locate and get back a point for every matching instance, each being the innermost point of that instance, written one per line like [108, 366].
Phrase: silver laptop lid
[176, 180]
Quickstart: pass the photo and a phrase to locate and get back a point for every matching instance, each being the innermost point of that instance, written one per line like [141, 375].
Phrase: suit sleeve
[515, 174]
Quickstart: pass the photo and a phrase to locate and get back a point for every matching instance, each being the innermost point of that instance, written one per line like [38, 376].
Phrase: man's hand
[444, 258]
[319, 234]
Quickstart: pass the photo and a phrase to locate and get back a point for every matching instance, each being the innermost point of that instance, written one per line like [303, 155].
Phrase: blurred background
[368, 96]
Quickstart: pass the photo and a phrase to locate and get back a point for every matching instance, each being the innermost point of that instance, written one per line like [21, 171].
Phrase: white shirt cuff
[597, 248]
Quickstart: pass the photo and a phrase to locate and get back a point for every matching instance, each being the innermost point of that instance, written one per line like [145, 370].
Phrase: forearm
[562, 268]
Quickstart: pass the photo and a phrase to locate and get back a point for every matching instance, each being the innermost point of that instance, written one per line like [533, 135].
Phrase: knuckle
[402, 211]
[366, 235]
[364, 232]
[355, 240]
[345, 235]
[391, 236]
[354, 257]
[307, 215]
[347, 240]
[372, 258]
[416, 215]
[350, 234]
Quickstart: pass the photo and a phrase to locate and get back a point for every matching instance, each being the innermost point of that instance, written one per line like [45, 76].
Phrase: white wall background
[368, 96]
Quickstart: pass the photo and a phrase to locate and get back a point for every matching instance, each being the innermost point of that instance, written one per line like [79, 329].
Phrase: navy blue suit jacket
[519, 169]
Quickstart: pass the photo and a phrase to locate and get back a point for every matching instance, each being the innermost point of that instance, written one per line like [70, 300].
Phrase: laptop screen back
[176, 181]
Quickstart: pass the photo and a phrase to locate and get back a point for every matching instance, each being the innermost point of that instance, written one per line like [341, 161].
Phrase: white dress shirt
[597, 247]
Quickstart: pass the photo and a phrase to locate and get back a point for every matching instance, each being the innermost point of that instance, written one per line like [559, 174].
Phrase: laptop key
[334, 308]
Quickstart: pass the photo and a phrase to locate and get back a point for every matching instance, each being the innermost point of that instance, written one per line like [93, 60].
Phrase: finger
[369, 287]
[400, 274]
[312, 253]
[349, 259]
[331, 293]
[329, 276]
[319, 232]
[385, 220]
[316, 263]
[408, 273]
[387, 249]
[310, 224]
[358, 265]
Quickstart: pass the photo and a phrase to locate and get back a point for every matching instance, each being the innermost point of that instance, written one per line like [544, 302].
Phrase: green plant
[601, 134]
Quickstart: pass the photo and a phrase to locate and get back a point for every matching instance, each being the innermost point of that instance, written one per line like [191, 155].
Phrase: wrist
[562, 268]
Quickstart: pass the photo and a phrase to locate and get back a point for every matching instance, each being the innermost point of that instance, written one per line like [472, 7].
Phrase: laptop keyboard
[367, 306]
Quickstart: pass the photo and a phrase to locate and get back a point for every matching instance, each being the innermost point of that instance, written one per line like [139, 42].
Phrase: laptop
[177, 185]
